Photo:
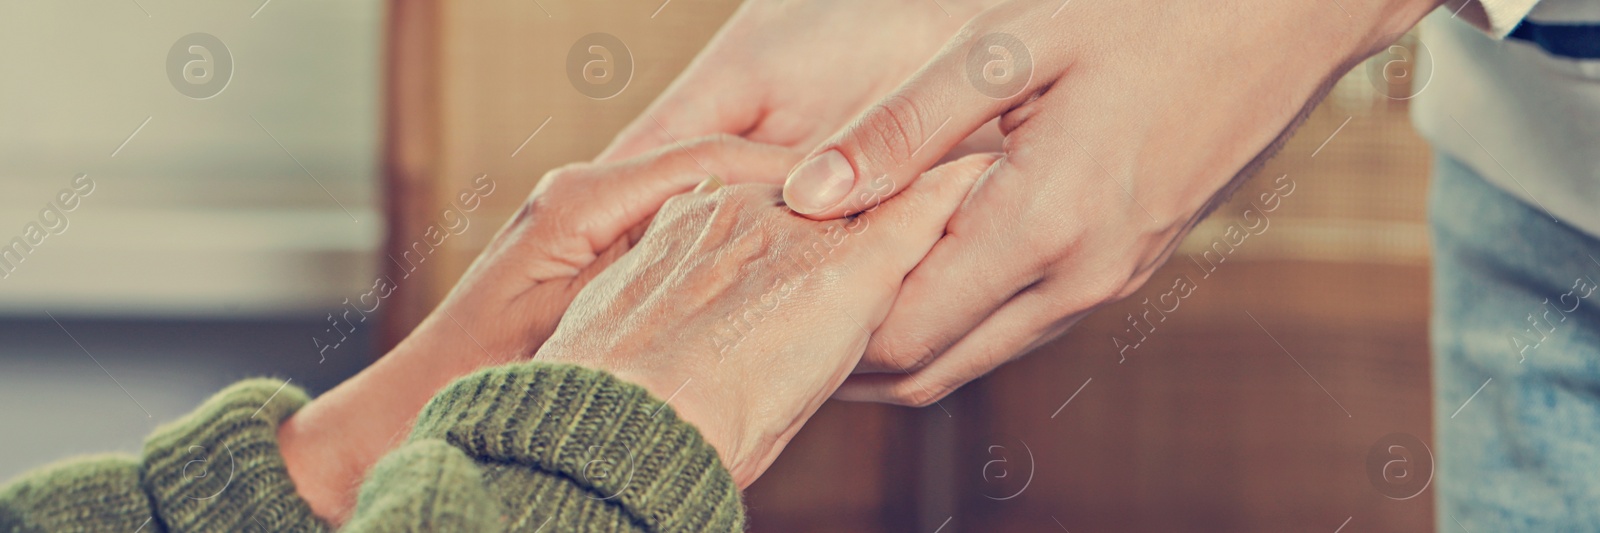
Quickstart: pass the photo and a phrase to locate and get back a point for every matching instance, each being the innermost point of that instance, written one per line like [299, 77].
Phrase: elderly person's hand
[1124, 123]
[577, 221]
[745, 317]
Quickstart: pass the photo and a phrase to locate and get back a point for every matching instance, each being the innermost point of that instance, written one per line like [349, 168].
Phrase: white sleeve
[1504, 15]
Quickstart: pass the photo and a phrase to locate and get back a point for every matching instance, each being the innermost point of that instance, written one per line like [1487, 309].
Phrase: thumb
[971, 81]
[905, 229]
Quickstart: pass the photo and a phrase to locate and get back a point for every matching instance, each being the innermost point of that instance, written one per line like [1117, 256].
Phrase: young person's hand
[578, 220]
[1124, 123]
[745, 317]
[791, 73]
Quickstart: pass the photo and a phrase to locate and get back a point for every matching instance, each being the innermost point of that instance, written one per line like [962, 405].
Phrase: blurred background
[237, 206]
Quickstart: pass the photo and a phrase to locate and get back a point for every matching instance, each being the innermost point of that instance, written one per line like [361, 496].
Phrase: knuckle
[1050, 246]
[1104, 287]
[1057, 308]
[553, 183]
[554, 189]
[526, 212]
[739, 195]
[560, 177]
[732, 202]
[909, 354]
[892, 131]
[761, 203]
[740, 202]
[679, 206]
[745, 233]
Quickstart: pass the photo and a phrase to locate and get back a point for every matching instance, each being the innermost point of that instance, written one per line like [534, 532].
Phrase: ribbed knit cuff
[426, 485]
[220, 468]
[607, 435]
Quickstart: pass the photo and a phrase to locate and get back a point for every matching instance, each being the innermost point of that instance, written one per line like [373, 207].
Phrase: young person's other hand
[791, 73]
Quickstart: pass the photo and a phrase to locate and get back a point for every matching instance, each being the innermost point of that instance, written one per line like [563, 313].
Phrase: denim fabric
[1516, 360]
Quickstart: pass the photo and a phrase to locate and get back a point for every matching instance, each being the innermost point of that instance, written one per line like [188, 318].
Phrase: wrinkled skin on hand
[744, 316]
[578, 220]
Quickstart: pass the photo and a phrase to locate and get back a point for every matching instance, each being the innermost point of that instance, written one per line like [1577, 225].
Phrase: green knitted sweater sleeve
[426, 485]
[217, 469]
[568, 448]
[528, 447]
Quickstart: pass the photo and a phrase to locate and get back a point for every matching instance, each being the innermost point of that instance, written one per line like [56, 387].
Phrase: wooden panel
[852, 468]
[410, 159]
[1211, 425]
[505, 75]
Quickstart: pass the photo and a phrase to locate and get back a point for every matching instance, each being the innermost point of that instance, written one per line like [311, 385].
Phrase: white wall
[200, 212]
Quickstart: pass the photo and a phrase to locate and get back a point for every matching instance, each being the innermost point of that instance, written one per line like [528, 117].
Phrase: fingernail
[819, 183]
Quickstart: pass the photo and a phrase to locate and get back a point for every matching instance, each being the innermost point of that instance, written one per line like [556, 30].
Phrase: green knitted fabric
[568, 438]
[529, 447]
[426, 485]
[89, 494]
[219, 469]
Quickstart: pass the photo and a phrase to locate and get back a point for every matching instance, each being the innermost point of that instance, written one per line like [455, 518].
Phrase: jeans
[1516, 361]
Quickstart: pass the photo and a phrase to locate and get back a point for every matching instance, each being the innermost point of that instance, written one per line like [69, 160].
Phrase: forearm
[1379, 23]
[331, 444]
[1208, 102]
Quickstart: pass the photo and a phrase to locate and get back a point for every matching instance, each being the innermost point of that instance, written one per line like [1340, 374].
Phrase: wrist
[702, 403]
[687, 396]
[1386, 20]
[487, 325]
[329, 445]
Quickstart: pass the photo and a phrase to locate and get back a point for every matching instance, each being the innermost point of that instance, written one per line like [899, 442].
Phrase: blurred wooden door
[1252, 408]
